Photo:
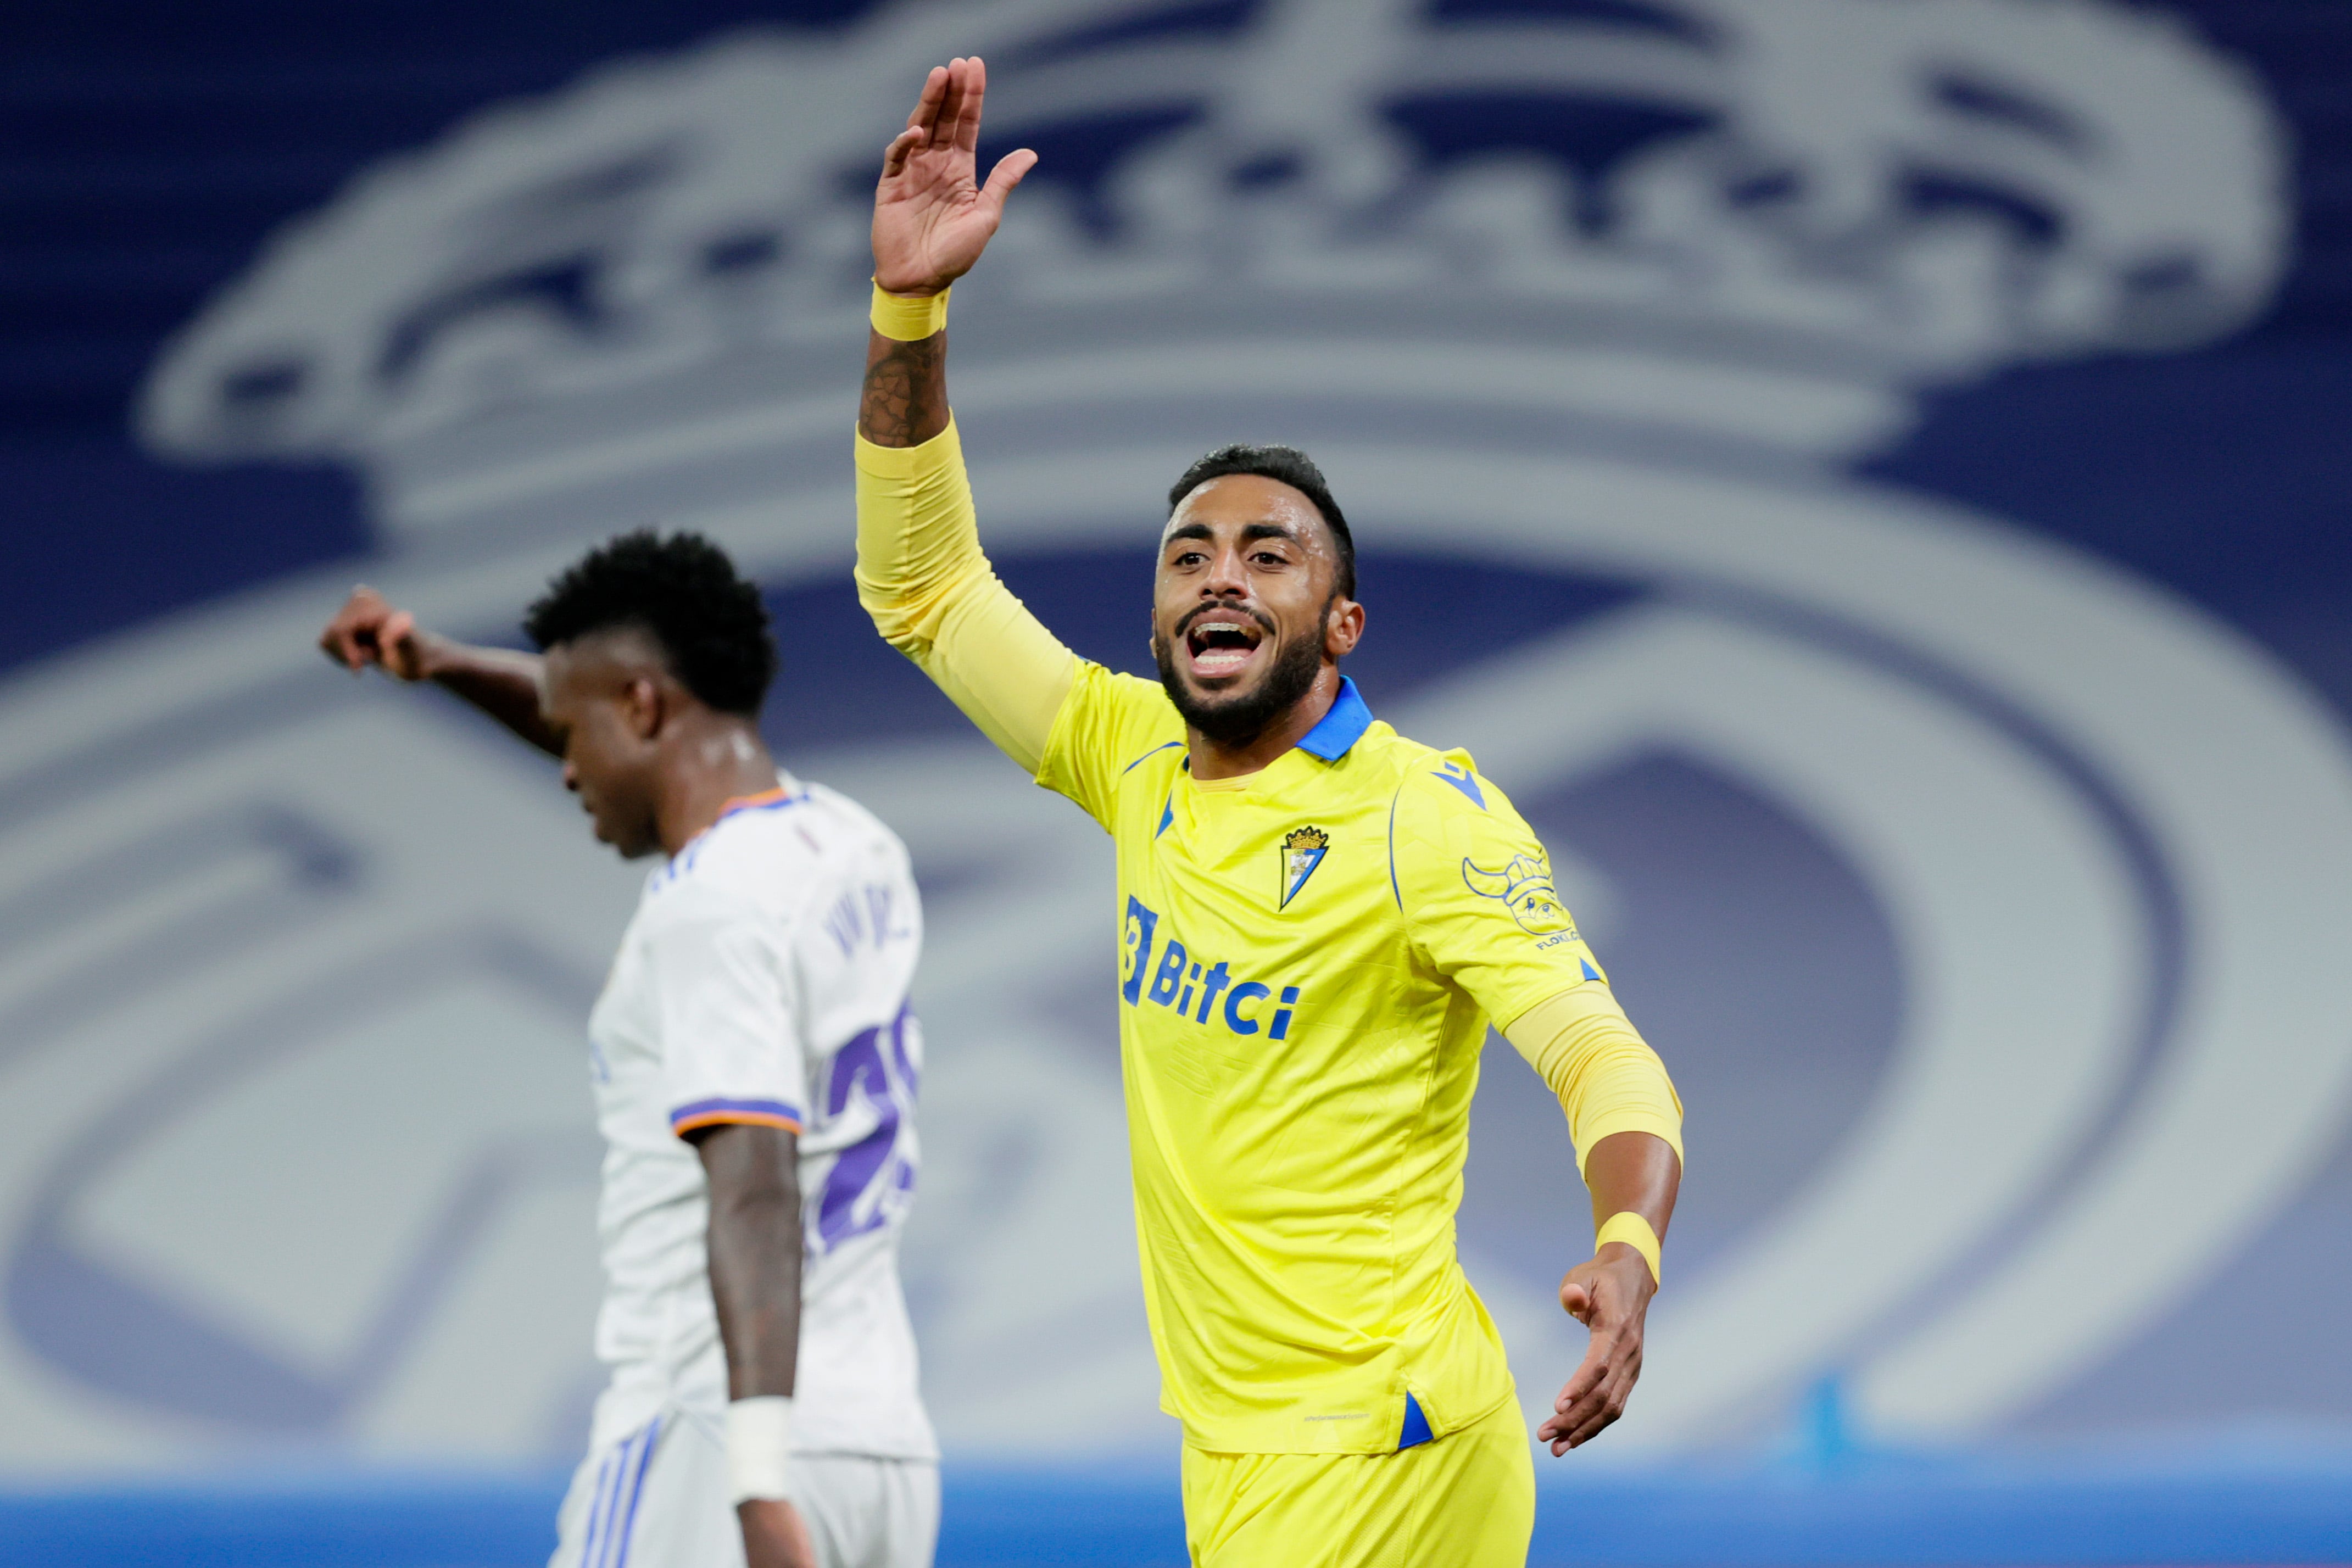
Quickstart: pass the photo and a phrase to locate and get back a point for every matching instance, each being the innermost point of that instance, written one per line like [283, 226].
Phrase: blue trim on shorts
[596, 1511]
[612, 1510]
[636, 1490]
[1416, 1425]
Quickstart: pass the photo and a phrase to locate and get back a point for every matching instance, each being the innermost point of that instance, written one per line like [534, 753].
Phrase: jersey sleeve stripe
[752, 1113]
[1148, 757]
[1394, 891]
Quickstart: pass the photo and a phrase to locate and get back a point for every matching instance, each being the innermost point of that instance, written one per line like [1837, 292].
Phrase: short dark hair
[1283, 464]
[685, 592]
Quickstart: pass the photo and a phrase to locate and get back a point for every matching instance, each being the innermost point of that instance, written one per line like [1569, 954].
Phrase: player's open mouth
[1222, 645]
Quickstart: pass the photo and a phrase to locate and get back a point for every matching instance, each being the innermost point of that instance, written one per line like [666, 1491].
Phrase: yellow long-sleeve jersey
[1308, 959]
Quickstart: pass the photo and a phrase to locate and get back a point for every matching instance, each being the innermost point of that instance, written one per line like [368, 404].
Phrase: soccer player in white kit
[754, 1065]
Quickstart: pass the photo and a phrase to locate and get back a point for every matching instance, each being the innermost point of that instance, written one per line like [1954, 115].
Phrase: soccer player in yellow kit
[1318, 919]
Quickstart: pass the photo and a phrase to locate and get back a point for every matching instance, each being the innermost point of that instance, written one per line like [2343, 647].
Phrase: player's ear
[642, 706]
[1343, 628]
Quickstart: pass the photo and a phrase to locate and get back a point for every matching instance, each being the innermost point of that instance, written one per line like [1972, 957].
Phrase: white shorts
[658, 1499]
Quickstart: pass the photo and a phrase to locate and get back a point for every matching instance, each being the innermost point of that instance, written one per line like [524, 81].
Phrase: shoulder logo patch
[1454, 773]
[1303, 850]
[1524, 887]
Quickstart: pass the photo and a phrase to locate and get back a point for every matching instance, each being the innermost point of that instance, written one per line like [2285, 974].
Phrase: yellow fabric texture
[1308, 960]
[908, 318]
[1634, 1231]
[1466, 1502]
[921, 576]
[1608, 1079]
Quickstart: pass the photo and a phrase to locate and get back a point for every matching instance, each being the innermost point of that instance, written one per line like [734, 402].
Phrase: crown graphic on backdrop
[1912, 191]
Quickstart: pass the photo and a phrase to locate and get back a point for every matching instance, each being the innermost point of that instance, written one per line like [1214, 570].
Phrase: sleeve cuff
[941, 452]
[703, 1113]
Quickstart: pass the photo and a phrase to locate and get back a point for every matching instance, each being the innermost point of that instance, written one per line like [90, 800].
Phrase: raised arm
[501, 682]
[920, 573]
[931, 221]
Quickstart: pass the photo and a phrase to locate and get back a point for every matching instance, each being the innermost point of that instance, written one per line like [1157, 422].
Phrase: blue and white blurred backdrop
[1867, 476]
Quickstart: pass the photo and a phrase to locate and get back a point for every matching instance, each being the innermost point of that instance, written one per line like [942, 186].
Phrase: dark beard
[1238, 721]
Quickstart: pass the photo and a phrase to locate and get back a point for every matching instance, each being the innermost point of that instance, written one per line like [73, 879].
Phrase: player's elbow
[895, 614]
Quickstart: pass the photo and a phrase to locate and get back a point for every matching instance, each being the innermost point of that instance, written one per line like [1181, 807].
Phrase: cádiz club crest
[1303, 850]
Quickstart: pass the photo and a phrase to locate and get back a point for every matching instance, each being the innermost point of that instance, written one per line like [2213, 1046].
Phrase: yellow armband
[908, 318]
[1634, 1231]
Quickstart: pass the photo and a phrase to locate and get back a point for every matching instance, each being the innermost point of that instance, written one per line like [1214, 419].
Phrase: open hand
[1610, 1296]
[368, 631]
[932, 218]
[774, 1534]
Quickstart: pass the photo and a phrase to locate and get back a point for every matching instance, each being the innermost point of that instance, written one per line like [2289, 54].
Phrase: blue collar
[1341, 727]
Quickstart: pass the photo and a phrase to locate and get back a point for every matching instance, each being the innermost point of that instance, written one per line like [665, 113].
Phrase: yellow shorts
[1467, 1500]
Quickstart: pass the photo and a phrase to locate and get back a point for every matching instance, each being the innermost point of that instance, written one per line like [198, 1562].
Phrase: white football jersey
[763, 980]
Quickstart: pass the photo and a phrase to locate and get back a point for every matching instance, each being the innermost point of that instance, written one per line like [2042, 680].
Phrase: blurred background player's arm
[920, 573]
[501, 682]
[755, 1282]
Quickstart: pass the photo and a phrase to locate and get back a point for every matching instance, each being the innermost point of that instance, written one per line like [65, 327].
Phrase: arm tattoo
[906, 399]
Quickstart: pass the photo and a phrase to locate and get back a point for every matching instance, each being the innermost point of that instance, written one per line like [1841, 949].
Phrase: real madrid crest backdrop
[1867, 477]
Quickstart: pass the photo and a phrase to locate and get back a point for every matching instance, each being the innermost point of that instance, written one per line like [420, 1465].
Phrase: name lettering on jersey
[1524, 887]
[863, 914]
[1206, 993]
[1303, 850]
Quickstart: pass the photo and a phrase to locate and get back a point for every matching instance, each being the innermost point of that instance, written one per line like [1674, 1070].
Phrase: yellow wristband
[909, 318]
[1634, 1231]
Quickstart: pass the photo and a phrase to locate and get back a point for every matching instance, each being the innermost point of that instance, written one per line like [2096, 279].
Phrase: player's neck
[714, 758]
[1211, 760]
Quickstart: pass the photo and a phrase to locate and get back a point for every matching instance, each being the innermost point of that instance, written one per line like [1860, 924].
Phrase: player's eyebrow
[1249, 531]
